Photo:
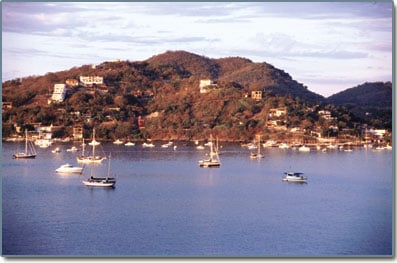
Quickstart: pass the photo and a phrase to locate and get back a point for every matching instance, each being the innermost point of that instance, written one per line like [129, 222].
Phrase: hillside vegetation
[164, 91]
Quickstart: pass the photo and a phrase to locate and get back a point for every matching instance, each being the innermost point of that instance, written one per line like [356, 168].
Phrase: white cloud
[317, 43]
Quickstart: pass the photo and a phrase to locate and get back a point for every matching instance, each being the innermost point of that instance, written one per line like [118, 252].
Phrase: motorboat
[294, 177]
[166, 145]
[73, 149]
[283, 146]
[43, 143]
[68, 168]
[118, 142]
[129, 144]
[56, 150]
[147, 145]
[304, 148]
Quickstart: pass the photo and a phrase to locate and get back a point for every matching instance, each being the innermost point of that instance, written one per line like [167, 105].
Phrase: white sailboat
[258, 154]
[101, 181]
[93, 158]
[214, 160]
[30, 151]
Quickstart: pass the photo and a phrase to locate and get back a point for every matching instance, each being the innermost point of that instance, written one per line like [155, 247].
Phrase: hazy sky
[327, 46]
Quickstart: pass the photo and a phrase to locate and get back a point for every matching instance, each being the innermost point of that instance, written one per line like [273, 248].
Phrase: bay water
[165, 205]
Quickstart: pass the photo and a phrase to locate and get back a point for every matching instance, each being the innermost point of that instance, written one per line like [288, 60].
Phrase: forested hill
[241, 71]
[368, 101]
[164, 91]
[370, 94]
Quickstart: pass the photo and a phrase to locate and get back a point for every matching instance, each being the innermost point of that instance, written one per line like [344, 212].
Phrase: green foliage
[168, 85]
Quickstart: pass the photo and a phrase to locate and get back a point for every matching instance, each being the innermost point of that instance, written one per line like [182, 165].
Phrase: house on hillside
[325, 114]
[89, 81]
[277, 112]
[59, 93]
[256, 95]
[206, 85]
[72, 82]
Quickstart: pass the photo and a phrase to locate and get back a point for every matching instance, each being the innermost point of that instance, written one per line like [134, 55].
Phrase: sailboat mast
[259, 144]
[83, 147]
[93, 144]
[26, 142]
[110, 155]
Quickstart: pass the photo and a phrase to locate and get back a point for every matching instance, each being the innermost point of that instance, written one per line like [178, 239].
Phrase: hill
[252, 76]
[373, 94]
[371, 102]
[160, 98]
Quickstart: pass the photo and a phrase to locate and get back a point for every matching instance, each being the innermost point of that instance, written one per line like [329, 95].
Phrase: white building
[325, 114]
[59, 93]
[91, 80]
[277, 112]
[204, 84]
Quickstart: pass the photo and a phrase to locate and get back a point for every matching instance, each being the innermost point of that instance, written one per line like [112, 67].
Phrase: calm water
[165, 205]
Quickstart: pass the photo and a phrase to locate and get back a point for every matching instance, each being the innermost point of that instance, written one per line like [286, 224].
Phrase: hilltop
[176, 95]
[368, 100]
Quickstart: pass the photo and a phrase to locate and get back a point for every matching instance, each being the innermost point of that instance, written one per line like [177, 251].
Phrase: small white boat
[129, 144]
[118, 142]
[167, 145]
[200, 147]
[332, 146]
[94, 143]
[283, 146]
[147, 145]
[269, 143]
[56, 150]
[73, 149]
[294, 177]
[43, 143]
[304, 148]
[251, 146]
[68, 168]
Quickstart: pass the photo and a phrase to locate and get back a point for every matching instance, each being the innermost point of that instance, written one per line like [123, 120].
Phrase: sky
[327, 46]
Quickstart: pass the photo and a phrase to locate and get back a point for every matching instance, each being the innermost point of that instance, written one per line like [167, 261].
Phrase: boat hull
[100, 182]
[300, 180]
[294, 177]
[75, 170]
[23, 156]
[209, 164]
[90, 159]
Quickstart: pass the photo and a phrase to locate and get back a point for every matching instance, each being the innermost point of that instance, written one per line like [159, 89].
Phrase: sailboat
[30, 151]
[214, 160]
[101, 181]
[257, 155]
[93, 158]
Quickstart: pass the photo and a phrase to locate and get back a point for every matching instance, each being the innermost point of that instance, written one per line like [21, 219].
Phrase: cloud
[299, 37]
